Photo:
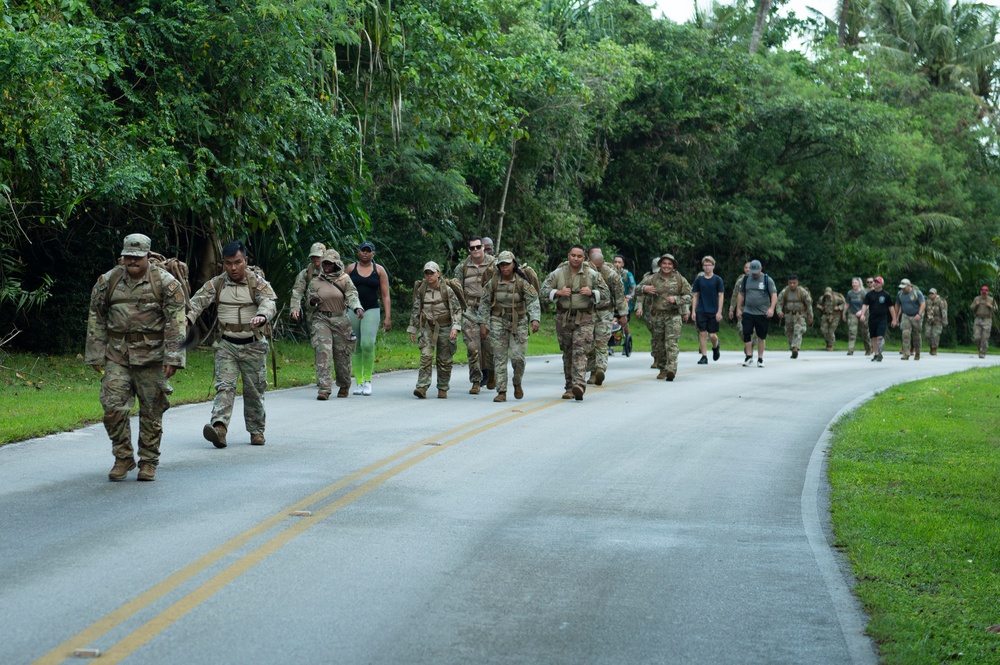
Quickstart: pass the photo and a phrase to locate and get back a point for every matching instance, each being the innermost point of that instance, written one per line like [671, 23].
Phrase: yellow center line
[171, 583]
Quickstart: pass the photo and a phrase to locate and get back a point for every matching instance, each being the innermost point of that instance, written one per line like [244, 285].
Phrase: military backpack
[177, 269]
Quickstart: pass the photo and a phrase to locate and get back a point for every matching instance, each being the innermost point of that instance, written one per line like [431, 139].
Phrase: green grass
[916, 508]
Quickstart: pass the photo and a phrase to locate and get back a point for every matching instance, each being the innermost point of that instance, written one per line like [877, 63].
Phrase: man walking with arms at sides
[469, 274]
[855, 300]
[669, 295]
[372, 282]
[755, 304]
[434, 325]
[302, 283]
[606, 312]
[576, 290]
[707, 295]
[795, 306]
[910, 305]
[245, 303]
[876, 310]
[732, 302]
[831, 306]
[135, 332]
[983, 307]
[936, 314]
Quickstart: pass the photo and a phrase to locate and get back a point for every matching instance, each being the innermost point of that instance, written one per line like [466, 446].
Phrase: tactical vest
[797, 306]
[666, 286]
[576, 301]
[236, 308]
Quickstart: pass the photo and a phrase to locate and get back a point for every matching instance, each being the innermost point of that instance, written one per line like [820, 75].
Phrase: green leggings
[366, 330]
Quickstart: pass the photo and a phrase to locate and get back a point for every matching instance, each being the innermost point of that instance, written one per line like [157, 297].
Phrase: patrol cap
[667, 256]
[932, 291]
[136, 244]
[755, 267]
[367, 244]
[505, 257]
[432, 266]
[828, 290]
[905, 282]
[332, 256]
[317, 249]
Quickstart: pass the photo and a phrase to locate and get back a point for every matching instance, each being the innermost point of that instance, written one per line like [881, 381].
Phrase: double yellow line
[389, 466]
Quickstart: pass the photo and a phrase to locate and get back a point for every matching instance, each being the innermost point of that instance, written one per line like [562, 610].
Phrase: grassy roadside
[916, 504]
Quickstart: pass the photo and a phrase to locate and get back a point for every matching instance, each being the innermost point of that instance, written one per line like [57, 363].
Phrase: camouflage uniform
[332, 335]
[480, 353]
[242, 349]
[668, 320]
[509, 307]
[604, 318]
[911, 326]
[983, 307]
[832, 307]
[656, 348]
[302, 280]
[855, 300]
[936, 315]
[133, 334]
[796, 305]
[575, 319]
[435, 314]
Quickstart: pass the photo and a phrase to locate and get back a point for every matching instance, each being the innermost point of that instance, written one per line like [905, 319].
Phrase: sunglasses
[475, 247]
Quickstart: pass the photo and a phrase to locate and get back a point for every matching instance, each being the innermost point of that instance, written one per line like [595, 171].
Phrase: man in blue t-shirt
[707, 295]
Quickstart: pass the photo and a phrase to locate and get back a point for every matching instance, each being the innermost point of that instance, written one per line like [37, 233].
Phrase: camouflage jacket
[131, 326]
[617, 289]
[831, 305]
[260, 288]
[418, 320]
[528, 306]
[302, 280]
[936, 311]
[675, 285]
[802, 303]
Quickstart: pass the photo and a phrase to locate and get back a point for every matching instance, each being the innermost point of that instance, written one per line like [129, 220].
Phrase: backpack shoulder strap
[117, 275]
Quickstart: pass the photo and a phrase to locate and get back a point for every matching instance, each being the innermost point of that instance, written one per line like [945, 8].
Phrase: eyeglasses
[473, 248]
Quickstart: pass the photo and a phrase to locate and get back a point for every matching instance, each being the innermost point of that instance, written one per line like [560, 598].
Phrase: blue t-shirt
[708, 291]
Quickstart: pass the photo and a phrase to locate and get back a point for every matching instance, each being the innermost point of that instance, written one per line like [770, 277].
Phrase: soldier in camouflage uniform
[910, 306]
[510, 304]
[855, 301]
[469, 274]
[669, 295]
[135, 332]
[831, 306]
[576, 289]
[984, 308]
[435, 322]
[936, 315]
[605, 315]
[795, 307]
[331, 295]
[246, 304]
[655, 344]
[302, 280]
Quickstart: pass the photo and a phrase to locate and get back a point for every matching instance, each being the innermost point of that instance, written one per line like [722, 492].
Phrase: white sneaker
[367, 388]
[360, 389]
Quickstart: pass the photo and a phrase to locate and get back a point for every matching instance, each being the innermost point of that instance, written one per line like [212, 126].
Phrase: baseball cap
[317, 249]
[984, 289]
[367, 244]
[505, 257]
[755, 266]
[136, 244]
[880, 280]
[905, 282]
[431, 265]
[932, 291]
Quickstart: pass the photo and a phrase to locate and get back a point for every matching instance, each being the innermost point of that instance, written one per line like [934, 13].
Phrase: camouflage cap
[828, 290]
[317, 249]
[932, 291]
[332, 256]
[667, 256]
[432, 266]
[136, 244]
[505, 257]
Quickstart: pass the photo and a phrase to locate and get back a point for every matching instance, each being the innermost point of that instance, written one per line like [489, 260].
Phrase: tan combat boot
[906, 356]
[578, 392]
[518, 392]
[662, 375]
[795, 352]
[216, 434]
[121, 468]
[420, 393]
[933, 350]
[501, 397]
[599, 377]
[342, 393]
[442, 394]
[593, 379]
[147, 471]
[568, 394]
[322, 396]
[474, 390]
[257, 439]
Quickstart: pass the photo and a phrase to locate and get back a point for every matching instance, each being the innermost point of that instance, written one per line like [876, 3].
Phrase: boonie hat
[667, 256]
[505, 257]
[932, 291]
[367, 244]
[317, 249]
[431, 265]
[905, 282]
[332, 256]
[136, 244]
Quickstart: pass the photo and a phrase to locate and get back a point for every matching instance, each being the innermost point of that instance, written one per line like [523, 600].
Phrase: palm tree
[763, 10]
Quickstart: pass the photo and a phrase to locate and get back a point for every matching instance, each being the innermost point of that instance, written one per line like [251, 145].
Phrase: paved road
[654, 522]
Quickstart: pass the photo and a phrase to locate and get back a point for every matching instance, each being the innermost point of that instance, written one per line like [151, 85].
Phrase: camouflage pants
[828, 326]
[667, 330]
[795, 327]
[231, 362]
[981, 332]
[445, 349]
[655, 341]
[933, 331]
[911, 333]
[852, 333]
[479, 351]
[508, 343]
[575, 332]
[332, 340]
[598, 357]
[120, 387]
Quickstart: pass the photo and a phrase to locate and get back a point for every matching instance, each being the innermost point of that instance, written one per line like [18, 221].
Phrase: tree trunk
[763, 9]
[503, 198]
[845, 10]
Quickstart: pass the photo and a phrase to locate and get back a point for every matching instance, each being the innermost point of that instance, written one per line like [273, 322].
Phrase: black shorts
[706, 322]
[755, 323]
[877, 327]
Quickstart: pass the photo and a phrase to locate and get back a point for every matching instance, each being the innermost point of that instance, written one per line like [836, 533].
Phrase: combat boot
[916, 356]
[599, 377]
[442, 394]
[121, 468]
[491, 382]
[147, 471]
[322, 396]
[671, 375]
[474, 390]
[906, 356]
[216, 434]
[342, 393]
[420, 393]
[501, 397]
[662, 375]
[829, 347]
[578, 392]
[933, 350]
[795, 352]
[518, 391]
[569, 393]
[257, 439]
[593, 379]
[851, 352]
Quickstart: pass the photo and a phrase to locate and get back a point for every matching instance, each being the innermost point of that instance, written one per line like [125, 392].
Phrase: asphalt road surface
[653, 522]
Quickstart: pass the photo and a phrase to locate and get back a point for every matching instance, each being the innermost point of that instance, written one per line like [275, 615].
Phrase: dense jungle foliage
[419, 123]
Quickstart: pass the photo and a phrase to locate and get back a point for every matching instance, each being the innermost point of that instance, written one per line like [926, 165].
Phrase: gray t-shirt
[910, 302]
[757, 294]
